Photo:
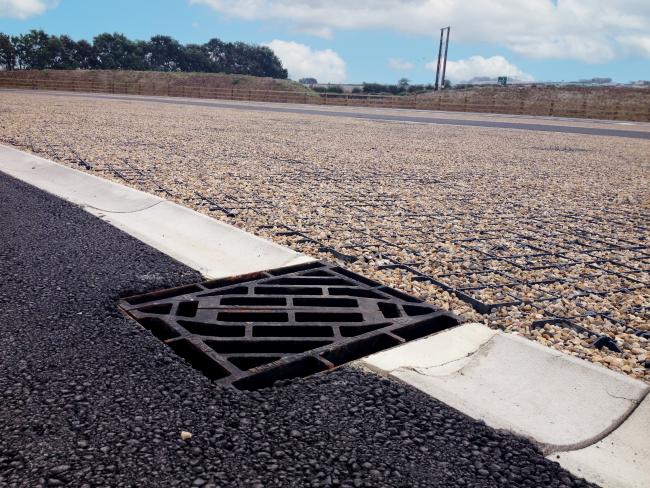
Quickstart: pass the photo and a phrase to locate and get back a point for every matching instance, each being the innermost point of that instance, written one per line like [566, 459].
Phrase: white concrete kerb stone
[556, 400]
[214, 248]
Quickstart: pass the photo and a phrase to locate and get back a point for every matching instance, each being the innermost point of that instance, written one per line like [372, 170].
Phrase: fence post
[550, 110]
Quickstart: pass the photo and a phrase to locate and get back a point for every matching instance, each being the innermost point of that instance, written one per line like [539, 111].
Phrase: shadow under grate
[253, 330]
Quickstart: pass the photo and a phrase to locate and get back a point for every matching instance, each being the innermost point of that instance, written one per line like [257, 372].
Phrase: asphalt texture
[90, 399]
[398, 117]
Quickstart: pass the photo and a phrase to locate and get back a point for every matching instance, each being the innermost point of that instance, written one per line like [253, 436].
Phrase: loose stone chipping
[509, 228]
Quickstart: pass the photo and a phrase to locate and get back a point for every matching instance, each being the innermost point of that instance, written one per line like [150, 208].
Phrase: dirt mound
[202, 80]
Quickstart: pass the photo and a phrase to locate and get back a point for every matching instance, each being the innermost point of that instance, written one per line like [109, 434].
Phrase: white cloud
[322, 32]
[586, 30]
[302, 61]
[399, 64]
[639, 45]
[21, 9]
[474, 66]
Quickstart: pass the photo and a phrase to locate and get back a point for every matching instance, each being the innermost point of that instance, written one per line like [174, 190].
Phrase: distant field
[596, 102]
[202, 80]
[610, 103]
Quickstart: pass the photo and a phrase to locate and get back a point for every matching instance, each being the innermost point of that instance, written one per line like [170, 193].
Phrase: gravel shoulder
[89, 399]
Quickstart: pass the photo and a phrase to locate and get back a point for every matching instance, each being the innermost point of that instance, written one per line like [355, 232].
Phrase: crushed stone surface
[542, 234]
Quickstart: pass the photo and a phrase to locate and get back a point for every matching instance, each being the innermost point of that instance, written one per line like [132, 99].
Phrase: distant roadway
[496, 121]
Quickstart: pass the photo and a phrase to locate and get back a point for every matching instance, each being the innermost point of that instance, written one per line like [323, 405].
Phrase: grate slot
[422, 329]
[239, 290]
[265, 346]
[245, 316]
[255, 301]
[161, 309]
[355, 292]
[296, 369]
[249, 362]
[326, 302]
[389, 310]
[159, 328]
[162, 294]
[287, 290]
[356, 350]
[328, 317]
[415, 310]
[208, 329]
[292, 331]
[204, 363]
[357, 330]
[306, 280]
[187, 309]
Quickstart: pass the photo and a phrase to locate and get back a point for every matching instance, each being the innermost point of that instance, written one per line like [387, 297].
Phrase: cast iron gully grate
[252, 330]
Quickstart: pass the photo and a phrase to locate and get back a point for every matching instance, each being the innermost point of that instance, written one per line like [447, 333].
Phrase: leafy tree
[63, 53]
[33, 50]
[86, 55]
[196, 58]
[114, 51]
[403, 83]
[7, 53]
[164, 54]
[37, 50]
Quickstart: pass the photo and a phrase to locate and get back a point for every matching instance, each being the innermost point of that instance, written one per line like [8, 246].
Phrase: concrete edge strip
[214, 248]
[457, 354]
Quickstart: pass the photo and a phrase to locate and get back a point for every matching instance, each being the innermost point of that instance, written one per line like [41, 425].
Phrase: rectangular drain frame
[252, 330]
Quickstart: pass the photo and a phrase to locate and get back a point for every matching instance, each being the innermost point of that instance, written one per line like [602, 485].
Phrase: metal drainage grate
[253, 330]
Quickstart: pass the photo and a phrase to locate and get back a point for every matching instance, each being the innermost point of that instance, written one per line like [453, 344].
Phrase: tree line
[38, 50]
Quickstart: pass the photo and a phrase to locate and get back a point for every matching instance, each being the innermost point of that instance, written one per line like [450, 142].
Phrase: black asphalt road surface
[398, 117]
[89, 399]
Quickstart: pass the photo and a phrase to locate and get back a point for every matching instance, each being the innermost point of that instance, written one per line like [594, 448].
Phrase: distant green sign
[502, 80]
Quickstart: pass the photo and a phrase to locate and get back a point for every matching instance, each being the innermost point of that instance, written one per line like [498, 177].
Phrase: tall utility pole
[443, 31]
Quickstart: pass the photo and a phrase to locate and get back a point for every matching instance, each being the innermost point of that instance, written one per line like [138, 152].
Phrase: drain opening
[423, 329]
[357, 350]
[209, 329]
[389, 310]
[328, 317]
[159, 328]
[193, 355]
[306, 280]
[357, 330]
[287, 290]
[325, 302]
[259, 346]
[255, 301]
[253, 317]
[250, 362]
[187, 309]
[249, 333]
[292, 331]
[355, 292]
[296, 369]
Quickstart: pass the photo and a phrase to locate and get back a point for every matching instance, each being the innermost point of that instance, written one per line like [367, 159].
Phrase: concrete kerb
[620, 460]
[214, 248]
[559, 402]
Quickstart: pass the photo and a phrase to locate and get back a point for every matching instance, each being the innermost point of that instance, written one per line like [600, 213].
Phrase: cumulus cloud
[399, 64]
[21, 9]
[585, 30]
[478, 66]
[639, 45]
[302, 61]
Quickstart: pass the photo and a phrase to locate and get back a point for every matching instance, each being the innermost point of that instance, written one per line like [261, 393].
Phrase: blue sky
[381, 40]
